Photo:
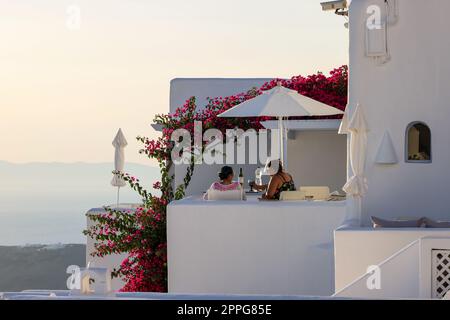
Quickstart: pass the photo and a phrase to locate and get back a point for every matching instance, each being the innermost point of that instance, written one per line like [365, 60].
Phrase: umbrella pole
[118, 194]
[285, 146]
[281, 129]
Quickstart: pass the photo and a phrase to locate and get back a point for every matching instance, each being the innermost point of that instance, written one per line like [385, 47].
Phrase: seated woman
[279, 181]
[226, 183]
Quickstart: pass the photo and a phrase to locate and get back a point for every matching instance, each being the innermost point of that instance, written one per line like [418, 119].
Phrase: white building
[409, 88]
[398, 74]
[399, 70]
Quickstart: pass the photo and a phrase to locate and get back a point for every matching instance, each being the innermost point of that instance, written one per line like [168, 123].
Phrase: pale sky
[64, 92]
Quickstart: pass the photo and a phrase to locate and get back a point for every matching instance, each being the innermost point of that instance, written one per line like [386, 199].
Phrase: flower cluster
[142, 234]
[331, 90]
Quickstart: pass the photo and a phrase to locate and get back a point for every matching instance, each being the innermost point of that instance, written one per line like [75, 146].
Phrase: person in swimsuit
[279, 181]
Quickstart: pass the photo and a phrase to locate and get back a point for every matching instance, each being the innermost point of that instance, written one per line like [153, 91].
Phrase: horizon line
[69, 163]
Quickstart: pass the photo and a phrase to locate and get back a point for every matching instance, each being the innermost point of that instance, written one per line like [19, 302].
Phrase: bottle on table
[241, 182]
[241, 177]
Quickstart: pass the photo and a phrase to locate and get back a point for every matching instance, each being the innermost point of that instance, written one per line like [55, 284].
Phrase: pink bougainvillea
[142, 234]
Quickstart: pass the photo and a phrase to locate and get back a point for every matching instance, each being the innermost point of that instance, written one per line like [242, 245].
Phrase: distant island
[38, 266]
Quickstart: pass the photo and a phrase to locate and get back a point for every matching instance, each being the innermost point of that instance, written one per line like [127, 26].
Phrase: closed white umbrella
[280, 102]
[119, 144]
[356, 186]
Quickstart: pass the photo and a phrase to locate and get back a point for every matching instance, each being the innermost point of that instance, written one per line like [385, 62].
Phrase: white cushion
[213, 194]
[383, 223]
[292, 195]
[318, 193]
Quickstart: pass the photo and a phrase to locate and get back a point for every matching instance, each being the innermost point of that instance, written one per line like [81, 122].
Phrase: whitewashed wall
[357, 249]
[412, 86]
[235, 247]
[398, 277]
[318, 158]
[182, 89]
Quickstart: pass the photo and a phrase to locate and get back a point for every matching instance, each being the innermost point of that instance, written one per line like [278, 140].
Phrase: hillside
[38, 266]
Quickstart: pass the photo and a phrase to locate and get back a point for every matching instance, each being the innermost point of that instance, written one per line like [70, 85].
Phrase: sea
[46, 203]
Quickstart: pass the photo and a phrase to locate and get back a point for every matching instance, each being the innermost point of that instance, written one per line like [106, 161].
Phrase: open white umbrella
[356, 186]
[119, 144]
[280, 102]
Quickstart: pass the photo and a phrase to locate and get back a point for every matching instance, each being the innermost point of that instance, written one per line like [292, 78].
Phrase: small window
[418, 143]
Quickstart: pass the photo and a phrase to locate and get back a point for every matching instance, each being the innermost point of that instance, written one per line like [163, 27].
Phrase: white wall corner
[386, 152]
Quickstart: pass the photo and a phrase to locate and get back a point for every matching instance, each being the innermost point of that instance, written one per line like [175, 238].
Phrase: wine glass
[251, 183]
